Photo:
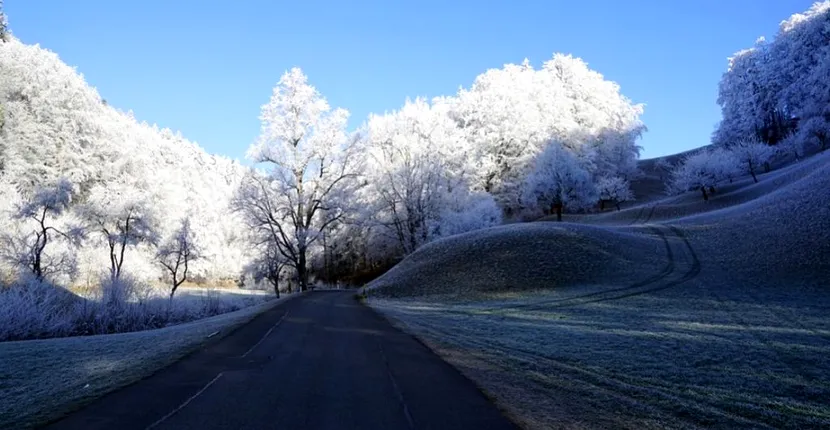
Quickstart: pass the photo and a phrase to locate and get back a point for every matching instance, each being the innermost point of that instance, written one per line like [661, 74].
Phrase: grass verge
[41, 380]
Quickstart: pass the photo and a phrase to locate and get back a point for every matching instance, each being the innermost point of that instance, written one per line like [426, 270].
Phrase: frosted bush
[477, 211]
[31, 308]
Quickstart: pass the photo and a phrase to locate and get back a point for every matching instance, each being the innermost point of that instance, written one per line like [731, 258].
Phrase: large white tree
[311, 165]
[415, 164]
[780, 87]
[511, 115]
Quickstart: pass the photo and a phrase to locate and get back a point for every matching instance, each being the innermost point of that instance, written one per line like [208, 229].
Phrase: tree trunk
[754, 178]
[601, 205]
[302, 272]
[766, 167]
[618, 206]
[705, 196]
[712, 190]
[559, 212]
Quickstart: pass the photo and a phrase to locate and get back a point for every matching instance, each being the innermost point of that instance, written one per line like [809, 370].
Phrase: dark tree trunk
[618, 206]
[601, 204]
[302, 272]
[766, 167]
[705, 196]
[754, 178]
[711, 190]
[559, 212]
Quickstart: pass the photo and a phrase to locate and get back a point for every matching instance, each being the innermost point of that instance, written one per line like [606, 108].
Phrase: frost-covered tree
[702, 171]
[39, 213]
[511, 115]
[310, 160]
[779, 87]
[121, 216]
[752, 155]
[415, 165]
[178, 253]
[4, 25]
[615, 190]
[816, 130]
[558, 180]
[268, 265]
[54, 125]
[663, 167]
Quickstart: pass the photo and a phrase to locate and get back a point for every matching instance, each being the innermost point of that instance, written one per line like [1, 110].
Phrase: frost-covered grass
[30, 309]
[709, 357]
[521, 257]
[729, 331]
[44, 379]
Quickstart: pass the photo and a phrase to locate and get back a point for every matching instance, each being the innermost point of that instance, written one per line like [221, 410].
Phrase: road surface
[318, 361]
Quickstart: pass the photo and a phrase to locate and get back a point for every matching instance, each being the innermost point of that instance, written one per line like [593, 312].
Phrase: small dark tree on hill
[752, 155]
[614, 190]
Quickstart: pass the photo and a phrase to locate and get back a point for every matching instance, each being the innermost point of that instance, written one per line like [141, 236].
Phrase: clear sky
[205, 67]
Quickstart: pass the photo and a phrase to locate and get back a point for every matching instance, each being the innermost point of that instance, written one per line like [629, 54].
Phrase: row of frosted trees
[519, 142]
[775, 104]
[322, 200]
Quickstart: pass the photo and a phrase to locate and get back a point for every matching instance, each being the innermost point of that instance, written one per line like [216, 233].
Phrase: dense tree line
[321, 201]
[775, 100]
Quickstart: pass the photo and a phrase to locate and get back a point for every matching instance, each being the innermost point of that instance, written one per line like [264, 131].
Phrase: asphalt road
[318, 361]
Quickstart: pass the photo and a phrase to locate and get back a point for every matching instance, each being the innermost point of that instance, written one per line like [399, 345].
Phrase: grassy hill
[673, 312]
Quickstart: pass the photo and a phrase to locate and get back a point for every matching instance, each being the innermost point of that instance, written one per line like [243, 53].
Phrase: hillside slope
[523, 257]
[732, 334]
[96, 146]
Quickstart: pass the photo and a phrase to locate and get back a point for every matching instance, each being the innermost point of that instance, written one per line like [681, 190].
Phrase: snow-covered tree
[121, 216]
[510, 115]
[780, 87]
[414, 163]
[615, 190]
[663, 167]
[54, 125]
[4, 24]
[558, 180]
[177, 253]
[268, 265]
[39, 213]
[815, 131]
[752, 155]
[310, 158]
[703, 171]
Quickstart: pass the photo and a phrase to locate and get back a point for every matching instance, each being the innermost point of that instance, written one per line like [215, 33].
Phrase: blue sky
[206, 67]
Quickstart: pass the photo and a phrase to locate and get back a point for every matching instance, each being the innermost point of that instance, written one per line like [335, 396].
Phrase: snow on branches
[312, 166]
[778, 87]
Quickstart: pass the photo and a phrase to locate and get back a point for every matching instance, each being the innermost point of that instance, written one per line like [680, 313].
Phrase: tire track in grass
[650, 213]
[690, 274]
[639, 214]
[637, 288]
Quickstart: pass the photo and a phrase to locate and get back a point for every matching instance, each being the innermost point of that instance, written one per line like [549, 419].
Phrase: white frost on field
[741, 342]
[44, 379]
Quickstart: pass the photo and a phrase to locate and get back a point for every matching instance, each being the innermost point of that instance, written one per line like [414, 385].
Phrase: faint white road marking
[266, 335]
[186, 402]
